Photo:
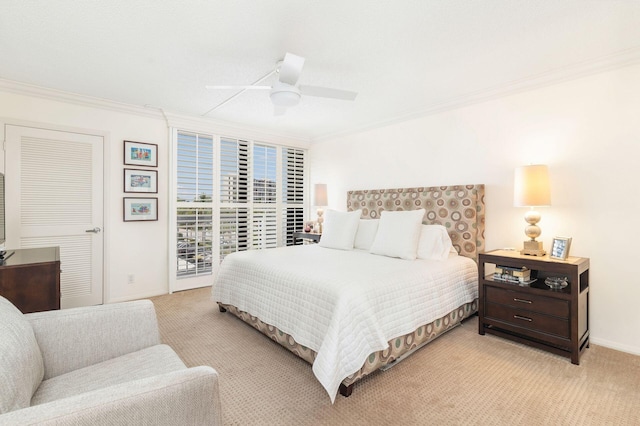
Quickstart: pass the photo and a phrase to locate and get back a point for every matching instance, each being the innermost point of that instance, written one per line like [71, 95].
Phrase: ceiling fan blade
[291, 68]
[326, 92]
[279, 110]
[238, 87]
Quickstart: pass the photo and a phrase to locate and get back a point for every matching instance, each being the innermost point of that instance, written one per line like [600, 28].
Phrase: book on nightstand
[510, 274]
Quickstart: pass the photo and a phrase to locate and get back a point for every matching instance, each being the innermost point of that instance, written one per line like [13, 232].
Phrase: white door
[54, 197]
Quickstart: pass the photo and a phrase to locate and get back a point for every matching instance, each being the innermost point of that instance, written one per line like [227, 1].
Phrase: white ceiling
[403, 57]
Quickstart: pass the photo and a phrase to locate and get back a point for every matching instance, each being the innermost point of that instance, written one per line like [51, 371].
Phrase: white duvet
[343, 304]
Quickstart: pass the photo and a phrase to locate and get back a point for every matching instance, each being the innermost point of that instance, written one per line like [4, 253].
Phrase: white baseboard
[136, 297]
[617, 346]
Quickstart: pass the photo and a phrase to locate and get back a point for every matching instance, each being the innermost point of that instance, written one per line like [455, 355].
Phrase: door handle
[95, 230]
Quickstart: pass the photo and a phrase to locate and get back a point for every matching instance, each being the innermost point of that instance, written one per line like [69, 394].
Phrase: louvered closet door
[54, 185]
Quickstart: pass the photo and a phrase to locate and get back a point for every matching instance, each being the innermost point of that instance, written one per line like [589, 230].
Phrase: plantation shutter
[234, 230]
[264, 224]
[264, 228]
[234, 171]
[292, 193]
[234, 196]
[194, 215]
[264, 174]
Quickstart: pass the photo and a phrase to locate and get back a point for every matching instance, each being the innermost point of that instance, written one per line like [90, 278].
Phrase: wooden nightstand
[535, 314]
[307, 236]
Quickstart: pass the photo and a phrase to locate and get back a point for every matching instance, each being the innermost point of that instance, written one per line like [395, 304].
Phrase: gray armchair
[99, 365]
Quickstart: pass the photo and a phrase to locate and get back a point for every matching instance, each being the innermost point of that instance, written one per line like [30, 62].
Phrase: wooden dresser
[30, 279]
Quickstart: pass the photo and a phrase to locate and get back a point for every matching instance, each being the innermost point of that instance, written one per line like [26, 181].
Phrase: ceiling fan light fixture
[285, 91]
[285, 95]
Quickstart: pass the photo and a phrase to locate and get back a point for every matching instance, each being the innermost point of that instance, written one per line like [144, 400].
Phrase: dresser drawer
[527, 319]
[530, 302]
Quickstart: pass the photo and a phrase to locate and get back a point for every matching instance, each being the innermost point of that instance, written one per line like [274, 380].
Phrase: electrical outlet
[131, 278]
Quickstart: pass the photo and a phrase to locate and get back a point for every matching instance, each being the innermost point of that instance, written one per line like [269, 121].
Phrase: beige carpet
[460, 378]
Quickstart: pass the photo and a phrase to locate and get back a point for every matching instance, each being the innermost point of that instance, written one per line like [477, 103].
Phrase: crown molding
[175, 119]
[74, 98]
[574, 71]
[233, 130]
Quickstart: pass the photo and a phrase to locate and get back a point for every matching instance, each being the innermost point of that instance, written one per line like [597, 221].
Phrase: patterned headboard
[460, 208]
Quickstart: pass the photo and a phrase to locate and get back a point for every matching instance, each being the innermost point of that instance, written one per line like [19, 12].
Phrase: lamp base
[320, 220]
[533, 248]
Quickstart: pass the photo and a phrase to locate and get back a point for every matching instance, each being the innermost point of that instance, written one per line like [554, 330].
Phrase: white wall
[587, 131]
[138, 248]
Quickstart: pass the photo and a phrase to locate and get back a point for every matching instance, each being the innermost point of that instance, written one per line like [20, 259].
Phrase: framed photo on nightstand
[560, 248]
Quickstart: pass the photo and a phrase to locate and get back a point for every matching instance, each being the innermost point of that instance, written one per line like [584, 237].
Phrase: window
[194, 215]
[264, 229]
[234, 195]
[264, 174]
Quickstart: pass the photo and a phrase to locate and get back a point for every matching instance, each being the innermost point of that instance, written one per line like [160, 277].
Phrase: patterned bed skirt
[397, 347]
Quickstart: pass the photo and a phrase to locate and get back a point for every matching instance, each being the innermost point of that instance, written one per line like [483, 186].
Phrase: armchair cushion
[21, 366]
[185, 397]
[148, 362]
[71, 339]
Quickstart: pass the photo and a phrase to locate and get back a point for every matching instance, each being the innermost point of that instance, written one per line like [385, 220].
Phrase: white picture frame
[560, 248]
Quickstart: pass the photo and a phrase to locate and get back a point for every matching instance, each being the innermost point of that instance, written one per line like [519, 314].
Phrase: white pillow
[339, 229]
[398, 234]
[367, 229]
[435, 243]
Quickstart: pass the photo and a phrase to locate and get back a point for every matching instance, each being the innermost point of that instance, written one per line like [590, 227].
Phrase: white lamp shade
[320, 194]
[531, 186]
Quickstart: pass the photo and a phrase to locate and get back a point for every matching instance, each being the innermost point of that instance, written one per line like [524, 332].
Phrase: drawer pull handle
[522, 318]
[515, 299]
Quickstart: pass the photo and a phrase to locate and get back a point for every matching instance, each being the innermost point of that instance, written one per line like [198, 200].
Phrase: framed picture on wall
[560, 248]
[140, 154]
[136, 180]
[140, 209]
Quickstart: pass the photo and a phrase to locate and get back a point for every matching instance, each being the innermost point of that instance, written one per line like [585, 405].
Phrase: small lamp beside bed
[320, 201]
[532, 189]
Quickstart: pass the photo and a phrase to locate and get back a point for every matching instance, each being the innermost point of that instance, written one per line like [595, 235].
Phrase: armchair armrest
[70, 339]
[184, 397]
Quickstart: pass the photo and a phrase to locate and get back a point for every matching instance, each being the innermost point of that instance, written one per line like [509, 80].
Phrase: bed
[350, 312]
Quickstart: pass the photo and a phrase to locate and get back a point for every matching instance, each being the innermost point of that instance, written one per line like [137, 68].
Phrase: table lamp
[320, 200]
[532, 189]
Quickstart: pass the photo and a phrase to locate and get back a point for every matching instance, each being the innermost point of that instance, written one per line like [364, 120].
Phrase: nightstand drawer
[529, 302]
[528, 319]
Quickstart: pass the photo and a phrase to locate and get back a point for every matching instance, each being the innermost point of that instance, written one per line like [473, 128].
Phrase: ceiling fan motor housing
[284, 95]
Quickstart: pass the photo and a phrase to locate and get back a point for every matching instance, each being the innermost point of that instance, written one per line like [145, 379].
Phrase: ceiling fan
[285, 92]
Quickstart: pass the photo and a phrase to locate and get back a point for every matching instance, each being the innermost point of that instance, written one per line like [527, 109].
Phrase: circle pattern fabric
[459, 208]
